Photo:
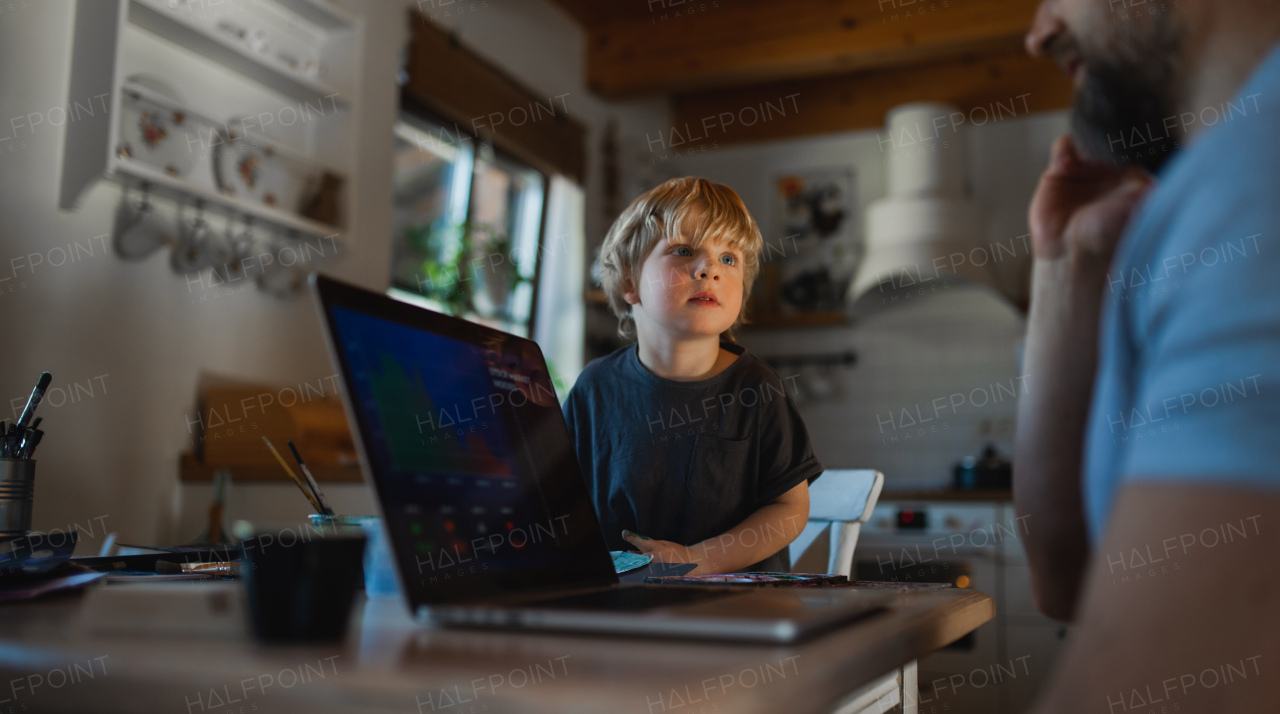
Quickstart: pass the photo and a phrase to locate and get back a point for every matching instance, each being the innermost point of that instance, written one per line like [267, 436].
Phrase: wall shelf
[114, 40]
[226, 52]
[323, 14]
[160, 184]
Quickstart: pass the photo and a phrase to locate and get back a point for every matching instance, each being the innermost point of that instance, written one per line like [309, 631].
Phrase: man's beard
[1121, 113]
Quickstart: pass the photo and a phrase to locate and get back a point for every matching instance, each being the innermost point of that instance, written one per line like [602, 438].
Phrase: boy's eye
[730, 259]
[682, 250]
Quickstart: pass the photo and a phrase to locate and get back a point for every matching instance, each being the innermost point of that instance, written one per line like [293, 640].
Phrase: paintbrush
[301, 486]
[311, 480]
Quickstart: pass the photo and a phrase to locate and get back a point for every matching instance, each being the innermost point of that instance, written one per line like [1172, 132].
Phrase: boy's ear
[629, 291]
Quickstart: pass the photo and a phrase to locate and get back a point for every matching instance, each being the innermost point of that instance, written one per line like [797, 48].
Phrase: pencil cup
[17, 490]
[301, 585]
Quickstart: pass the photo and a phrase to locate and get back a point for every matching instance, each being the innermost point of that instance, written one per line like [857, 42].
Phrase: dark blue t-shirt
[687, 461]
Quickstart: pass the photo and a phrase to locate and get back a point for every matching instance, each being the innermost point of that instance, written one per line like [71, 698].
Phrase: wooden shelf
[320, 13]
[947, 495]
[161, 184]
[229, 54]
[191, 470]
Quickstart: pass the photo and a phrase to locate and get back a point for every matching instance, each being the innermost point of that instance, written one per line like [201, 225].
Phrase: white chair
[840, 501]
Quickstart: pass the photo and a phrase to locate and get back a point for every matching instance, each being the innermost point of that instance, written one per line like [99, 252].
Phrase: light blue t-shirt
[1188, 383]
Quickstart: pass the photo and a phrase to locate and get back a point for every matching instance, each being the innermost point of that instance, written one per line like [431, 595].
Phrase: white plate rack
[272, 59]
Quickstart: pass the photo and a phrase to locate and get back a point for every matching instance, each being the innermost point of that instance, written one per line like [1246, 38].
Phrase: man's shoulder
[1225, 180]
[1215, 202]
[1232, 164]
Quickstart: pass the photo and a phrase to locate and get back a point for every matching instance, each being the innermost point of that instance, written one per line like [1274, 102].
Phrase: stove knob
[911, 519]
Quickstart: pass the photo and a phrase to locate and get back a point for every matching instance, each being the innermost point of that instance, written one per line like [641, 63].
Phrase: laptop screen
[469, 453]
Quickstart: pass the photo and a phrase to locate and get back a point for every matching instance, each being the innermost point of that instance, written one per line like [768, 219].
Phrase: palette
[624, 562]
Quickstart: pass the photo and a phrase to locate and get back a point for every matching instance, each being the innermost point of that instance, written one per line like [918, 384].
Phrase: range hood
[926, 228]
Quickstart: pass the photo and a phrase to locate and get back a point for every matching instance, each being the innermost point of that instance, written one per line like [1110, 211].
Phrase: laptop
[484, 505]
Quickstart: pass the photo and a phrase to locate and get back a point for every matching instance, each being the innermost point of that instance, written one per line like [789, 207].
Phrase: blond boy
[684, 437]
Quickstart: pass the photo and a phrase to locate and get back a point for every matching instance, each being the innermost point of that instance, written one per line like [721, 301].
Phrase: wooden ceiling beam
[984, 90]
[594, 13]
[673, 47]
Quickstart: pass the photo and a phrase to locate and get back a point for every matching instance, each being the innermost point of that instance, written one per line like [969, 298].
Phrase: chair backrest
[840, 501]
[845, 495]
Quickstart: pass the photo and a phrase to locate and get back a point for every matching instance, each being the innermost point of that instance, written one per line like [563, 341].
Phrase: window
[467, 222]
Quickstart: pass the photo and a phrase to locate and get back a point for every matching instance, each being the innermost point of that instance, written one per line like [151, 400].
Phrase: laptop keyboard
[633, 599]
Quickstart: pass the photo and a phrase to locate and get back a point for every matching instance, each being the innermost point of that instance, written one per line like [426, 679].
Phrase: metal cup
[17, 491]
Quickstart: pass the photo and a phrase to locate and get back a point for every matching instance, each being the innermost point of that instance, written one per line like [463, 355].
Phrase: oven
[960, 544]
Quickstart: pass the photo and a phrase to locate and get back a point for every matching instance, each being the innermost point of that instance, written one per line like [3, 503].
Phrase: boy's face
[685, 292]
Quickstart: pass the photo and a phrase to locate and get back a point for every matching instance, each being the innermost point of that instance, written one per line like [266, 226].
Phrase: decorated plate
[251, 168]
[156, 133]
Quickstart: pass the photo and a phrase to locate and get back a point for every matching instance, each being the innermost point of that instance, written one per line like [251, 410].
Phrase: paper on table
[35, 553]
[35, 588]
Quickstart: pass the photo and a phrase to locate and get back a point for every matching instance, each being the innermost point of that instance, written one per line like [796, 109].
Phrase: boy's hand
[663, 551]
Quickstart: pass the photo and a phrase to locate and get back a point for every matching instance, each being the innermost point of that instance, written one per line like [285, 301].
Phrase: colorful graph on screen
[429, 398]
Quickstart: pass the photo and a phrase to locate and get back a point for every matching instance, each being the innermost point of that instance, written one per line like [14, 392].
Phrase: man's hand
[1081, 206]
[663, 551]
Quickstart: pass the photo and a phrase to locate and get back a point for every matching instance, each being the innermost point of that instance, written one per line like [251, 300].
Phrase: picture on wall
[812, 251]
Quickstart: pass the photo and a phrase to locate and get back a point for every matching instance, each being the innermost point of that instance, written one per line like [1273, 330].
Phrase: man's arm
[1078, 213]
[770, 529]
[1179, 610]
[1060, 360]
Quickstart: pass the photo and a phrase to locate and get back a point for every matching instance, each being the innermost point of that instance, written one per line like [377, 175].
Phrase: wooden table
[51, 660]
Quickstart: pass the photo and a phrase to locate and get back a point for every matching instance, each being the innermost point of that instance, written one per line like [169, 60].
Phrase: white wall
[137, 333]
[955, 341]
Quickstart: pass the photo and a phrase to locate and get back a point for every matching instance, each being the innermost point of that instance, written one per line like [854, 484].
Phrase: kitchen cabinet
[1000, 667]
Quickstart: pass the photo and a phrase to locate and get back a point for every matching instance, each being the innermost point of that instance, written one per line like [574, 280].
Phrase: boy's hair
[704, 209]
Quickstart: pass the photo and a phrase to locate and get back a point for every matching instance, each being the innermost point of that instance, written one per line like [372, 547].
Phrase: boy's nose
[705, 270]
